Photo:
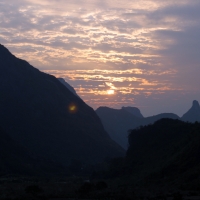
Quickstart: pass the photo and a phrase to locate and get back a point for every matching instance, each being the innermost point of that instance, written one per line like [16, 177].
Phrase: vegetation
[162, 162]
[165, 154]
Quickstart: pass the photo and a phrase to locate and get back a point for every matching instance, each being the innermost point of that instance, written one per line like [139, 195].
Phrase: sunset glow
[110, 92]
[139, 49]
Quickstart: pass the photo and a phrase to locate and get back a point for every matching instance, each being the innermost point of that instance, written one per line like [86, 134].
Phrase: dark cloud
[188, 12]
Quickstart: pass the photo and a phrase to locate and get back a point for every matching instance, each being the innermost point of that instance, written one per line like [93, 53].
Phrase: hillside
[16, 160]
[68, 86]
[134, 111]
[167, 149]
[40, 114]
[13, 157]
[117, 122]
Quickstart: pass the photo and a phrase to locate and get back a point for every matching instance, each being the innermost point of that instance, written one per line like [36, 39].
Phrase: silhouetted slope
[67, 85]
[134, 111]
[193, 114]
[152, 119]
[35, 112]
[169, 148]
[13, 158]
[117, 123]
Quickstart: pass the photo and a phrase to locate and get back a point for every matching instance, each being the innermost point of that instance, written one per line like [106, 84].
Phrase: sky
[143, 53]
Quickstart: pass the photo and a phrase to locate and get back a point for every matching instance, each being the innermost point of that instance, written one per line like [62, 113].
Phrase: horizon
[114, 54]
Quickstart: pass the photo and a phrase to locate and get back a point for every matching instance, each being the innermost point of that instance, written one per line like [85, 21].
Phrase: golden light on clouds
[110, 92]
[115, 88]
[135, 49]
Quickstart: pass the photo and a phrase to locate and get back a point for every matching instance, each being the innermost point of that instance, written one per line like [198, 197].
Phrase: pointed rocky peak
[195, 104]
[193, 114]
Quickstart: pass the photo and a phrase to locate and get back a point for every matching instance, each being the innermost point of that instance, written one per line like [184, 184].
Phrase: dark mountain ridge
[42, 115]
[67, 85]
[134, 111]
[117, 122]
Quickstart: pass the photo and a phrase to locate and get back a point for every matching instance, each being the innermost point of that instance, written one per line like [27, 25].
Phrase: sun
[110, 92]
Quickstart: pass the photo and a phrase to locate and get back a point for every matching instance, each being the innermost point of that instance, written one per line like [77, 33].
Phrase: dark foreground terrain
[162, 162]
[27, 188]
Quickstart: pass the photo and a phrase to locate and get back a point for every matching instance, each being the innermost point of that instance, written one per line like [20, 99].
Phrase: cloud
[97, 82]
[158, 38]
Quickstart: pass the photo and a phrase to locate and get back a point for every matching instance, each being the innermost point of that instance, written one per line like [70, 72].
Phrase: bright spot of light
[110, 92]
[72, 108]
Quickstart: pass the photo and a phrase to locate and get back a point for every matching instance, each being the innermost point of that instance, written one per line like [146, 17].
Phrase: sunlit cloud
[123, 87]
[110, 92]
[146, 49]
[114, 39]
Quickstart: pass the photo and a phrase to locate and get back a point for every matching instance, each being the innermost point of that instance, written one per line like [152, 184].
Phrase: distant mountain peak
[193, 114]
[195, 104]
[134, 111]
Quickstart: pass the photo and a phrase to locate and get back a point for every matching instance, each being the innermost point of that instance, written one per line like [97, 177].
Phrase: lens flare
[72, 108]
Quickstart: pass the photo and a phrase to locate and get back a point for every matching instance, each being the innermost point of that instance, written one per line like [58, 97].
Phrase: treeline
[165, 153]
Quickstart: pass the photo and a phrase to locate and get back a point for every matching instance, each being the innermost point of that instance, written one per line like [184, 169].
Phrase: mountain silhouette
[152, 119]
[67, 85]
[40, 114]
[193, 114]
[117, 122]
[134, 111]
